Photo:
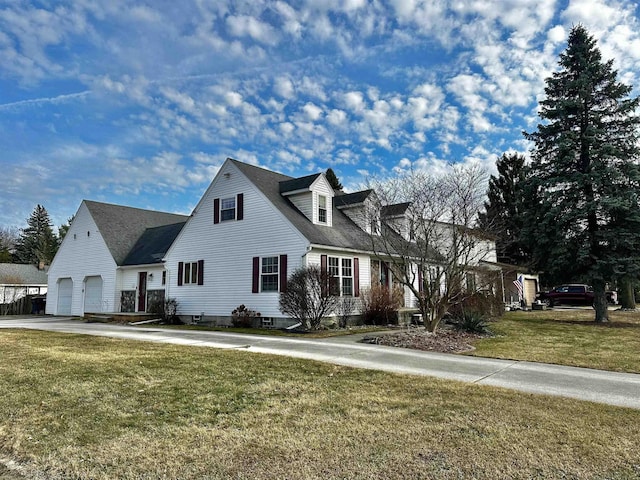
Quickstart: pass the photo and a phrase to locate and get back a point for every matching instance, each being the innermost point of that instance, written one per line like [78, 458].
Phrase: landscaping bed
[447, 340]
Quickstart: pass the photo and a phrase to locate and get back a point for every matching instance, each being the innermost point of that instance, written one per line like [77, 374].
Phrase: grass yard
[566, 337]
[90, 407]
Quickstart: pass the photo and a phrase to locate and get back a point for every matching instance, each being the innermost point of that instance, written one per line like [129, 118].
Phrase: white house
[251, 229]
[110, 260]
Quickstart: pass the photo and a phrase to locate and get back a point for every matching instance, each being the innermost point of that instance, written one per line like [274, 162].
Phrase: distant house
[251, 229]
[17, 281]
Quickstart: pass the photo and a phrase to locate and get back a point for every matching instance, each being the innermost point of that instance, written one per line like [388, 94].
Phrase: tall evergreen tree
[333, 179]
[502, 210]
[37, 243]
[583, 187]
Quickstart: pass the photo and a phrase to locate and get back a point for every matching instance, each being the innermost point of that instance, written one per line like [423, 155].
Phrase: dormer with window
[312, 195]
[362, 208]
[397, 216]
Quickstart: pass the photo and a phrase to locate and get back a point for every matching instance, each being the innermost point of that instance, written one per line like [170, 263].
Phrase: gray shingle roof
[19, 274]
[343, 234]
[121, 227]
[152, 246]
[294, 184]
[354, 198]
[394, 210]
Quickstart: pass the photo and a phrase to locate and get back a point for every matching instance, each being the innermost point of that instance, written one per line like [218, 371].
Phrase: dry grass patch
[566, 337]
[89, 407]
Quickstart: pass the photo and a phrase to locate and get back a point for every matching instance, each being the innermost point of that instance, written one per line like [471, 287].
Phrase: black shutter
[283, 273]
[356, 277]
[239, 206]
[216, 210]
[255, 284]
[200, 272]
[323, 275]
[180, 270]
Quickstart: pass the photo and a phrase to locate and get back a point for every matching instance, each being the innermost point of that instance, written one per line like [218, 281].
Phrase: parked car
[573, 294]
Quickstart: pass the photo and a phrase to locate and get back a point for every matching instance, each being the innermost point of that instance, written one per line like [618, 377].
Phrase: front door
[142, 291]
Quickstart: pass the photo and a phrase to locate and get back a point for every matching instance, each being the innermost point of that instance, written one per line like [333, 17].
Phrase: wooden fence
[21, 306]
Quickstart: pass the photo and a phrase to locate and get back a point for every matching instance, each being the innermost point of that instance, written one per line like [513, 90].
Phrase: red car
[574, 294]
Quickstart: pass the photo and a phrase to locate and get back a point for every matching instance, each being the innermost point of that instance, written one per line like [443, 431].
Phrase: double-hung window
[322, 209]
[228, 209]
[340, 272]
[269, 274]
[347, 277]
[334, 276]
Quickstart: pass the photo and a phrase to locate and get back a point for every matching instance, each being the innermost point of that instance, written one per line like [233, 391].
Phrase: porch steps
[118, 317]
[95, 318]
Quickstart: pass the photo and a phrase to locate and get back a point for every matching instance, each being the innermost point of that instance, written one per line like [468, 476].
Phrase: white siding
[304, 203]
[228, 248]
[83, 254]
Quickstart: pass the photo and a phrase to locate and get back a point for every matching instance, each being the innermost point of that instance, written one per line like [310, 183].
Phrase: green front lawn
[566, 337]
[88, 407]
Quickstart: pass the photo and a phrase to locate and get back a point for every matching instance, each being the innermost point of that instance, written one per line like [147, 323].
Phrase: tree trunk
[600, 302]
[627, 296]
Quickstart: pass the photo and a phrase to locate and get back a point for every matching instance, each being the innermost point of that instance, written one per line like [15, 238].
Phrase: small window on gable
[228, 209]
[322, 209]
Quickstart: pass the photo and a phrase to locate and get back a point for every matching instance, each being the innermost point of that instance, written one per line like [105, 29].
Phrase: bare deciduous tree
[307, 297]
[426, 234]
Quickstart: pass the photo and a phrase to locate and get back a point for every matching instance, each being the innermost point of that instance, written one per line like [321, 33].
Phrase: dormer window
[322, 209]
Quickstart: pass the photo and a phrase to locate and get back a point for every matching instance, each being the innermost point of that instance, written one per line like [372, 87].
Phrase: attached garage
[65, 296]
[93, 294]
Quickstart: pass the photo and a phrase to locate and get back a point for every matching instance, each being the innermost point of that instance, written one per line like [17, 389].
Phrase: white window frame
[190, 273]
[322, 209]
[270, 270]
[225, 208]
[340, 269]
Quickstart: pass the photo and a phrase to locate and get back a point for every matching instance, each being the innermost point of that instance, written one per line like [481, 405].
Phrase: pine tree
[502, 210]
[584, 217]
[37, 243]
[333, 180]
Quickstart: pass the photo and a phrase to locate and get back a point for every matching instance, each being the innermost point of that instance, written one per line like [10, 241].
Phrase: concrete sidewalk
[622, 389]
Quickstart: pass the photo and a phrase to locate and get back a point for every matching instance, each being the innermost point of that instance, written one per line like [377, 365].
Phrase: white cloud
[313, 112]
[246, 26]
[284, 87]
[354, 101]
[337, 117]
[233, 99]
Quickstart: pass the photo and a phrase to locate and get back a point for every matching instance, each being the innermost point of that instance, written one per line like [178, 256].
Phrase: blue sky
[139, 103]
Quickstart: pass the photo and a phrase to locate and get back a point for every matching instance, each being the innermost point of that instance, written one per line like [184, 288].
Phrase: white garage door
[65, 295]
[93, 295]
[530, 288]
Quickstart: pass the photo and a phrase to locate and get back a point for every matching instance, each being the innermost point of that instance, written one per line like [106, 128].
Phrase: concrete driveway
[622, 389]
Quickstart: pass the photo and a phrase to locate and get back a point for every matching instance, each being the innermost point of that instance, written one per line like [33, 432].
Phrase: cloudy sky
[140, 102]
